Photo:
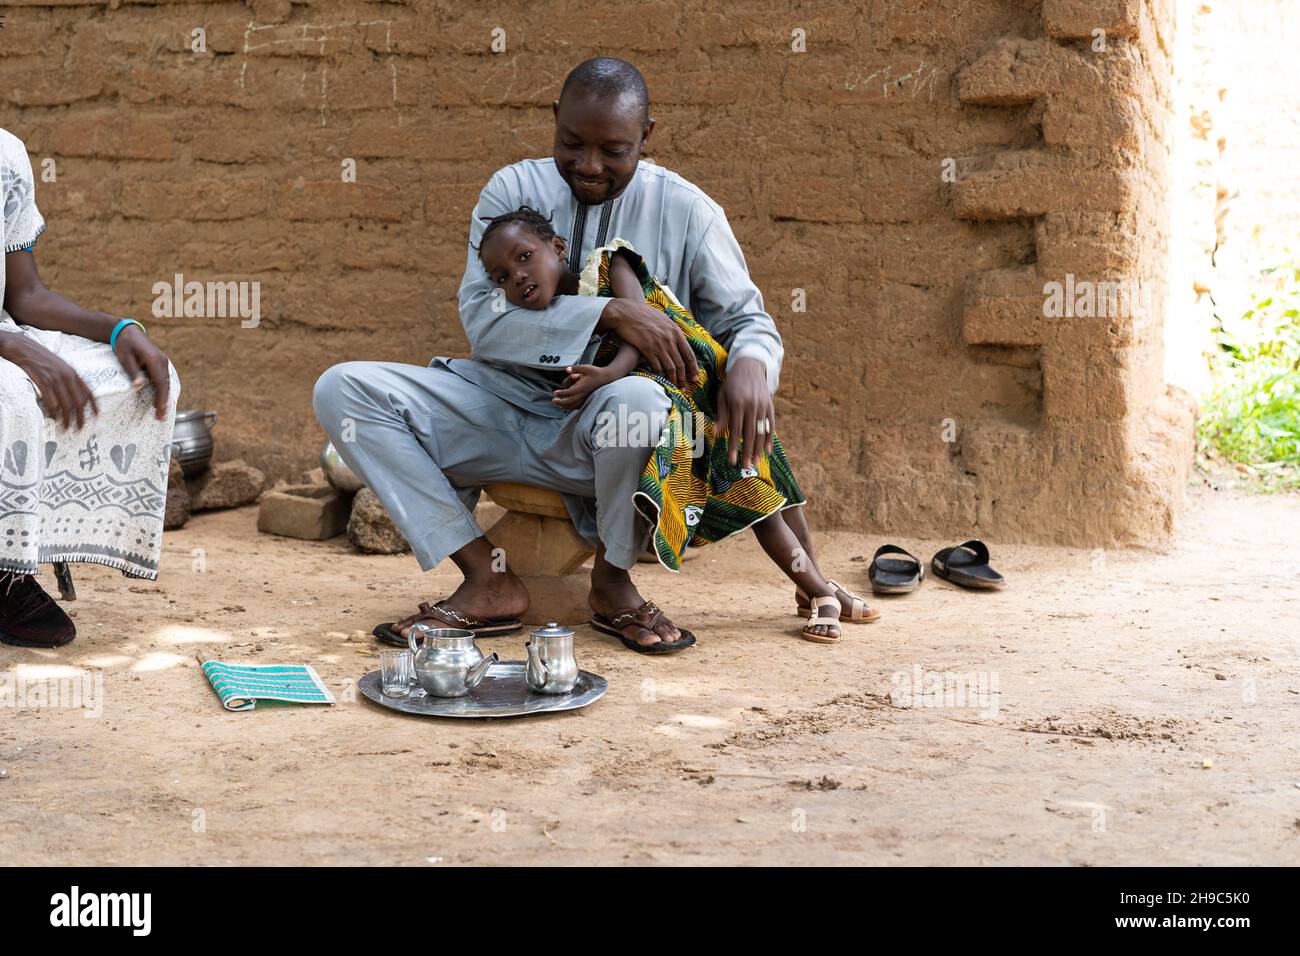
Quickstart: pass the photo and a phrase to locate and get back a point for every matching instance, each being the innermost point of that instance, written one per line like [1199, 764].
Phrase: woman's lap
[96, 494]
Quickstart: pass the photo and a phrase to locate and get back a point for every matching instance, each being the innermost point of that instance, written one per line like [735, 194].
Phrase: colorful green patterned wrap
[689, 491]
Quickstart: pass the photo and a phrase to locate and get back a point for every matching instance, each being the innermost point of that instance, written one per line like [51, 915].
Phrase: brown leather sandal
[827, 615]
[439, 615]
[859, 611]
[645, 616]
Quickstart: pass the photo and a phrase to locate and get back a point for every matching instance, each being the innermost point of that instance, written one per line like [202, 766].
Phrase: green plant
[1251, 416]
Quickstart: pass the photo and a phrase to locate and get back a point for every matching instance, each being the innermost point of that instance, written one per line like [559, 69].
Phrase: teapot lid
[553, 630]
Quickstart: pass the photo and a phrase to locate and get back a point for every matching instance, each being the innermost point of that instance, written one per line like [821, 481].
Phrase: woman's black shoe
[29, 617]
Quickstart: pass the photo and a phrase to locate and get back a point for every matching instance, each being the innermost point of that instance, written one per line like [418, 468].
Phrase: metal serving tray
[503, 692]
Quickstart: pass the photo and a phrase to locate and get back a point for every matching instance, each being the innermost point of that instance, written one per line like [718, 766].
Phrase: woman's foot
[823, 625]
[852, 607]
[29, 617]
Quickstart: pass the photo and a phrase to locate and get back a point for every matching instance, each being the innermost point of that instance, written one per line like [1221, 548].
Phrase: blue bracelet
[117, 330]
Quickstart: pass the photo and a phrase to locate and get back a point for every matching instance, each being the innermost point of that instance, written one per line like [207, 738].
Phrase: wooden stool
[540, 545]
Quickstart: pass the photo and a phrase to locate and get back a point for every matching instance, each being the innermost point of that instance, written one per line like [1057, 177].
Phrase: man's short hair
[609, 77]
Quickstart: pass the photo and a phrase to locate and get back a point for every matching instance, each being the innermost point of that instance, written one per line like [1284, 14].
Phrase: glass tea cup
[396, 672]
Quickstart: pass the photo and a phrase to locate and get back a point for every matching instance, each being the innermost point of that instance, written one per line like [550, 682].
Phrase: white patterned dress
[96, 495]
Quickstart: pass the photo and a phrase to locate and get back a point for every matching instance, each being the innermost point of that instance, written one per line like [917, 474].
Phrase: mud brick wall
[923, 391]
[1100, 444]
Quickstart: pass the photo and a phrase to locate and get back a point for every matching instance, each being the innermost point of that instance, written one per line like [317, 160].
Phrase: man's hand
[744, 404]
[143, 362]
[63, 393]
[582, 381]
[661, 343]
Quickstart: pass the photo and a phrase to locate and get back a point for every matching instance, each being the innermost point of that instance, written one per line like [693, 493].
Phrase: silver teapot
[552, 668]
[448, 663]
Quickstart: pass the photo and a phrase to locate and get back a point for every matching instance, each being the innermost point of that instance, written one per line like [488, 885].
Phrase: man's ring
[763, 427]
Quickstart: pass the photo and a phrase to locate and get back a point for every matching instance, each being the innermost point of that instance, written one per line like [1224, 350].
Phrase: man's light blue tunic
[426, 440]
[682, 234]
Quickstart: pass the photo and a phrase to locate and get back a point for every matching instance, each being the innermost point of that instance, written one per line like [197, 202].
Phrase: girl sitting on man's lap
[690, 498]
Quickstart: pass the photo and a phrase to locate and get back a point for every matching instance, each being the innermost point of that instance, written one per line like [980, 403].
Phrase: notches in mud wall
[1098, 452]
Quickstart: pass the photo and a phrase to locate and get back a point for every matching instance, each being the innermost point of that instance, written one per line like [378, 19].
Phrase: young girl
[690, 498]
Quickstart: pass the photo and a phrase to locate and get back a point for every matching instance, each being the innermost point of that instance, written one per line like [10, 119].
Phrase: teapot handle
[410, 639]
[536, 667]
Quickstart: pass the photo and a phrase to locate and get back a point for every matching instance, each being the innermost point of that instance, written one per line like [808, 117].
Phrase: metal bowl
[192, 441]
[336, 470]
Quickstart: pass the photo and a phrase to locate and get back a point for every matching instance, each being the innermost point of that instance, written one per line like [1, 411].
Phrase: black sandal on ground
[895, 575]
[967, 565]
[645, 617]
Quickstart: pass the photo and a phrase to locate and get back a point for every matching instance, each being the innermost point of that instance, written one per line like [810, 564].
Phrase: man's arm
[725, 301]
[549, 338]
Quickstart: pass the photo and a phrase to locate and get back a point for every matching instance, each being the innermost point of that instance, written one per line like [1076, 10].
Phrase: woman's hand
[63, 394]
[746, 414]
[582, 381]
[143, 362]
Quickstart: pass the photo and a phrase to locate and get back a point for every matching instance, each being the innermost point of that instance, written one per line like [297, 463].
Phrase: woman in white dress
[87, 404]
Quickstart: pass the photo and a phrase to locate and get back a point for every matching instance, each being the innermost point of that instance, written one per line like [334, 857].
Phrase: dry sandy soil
[1147, 713]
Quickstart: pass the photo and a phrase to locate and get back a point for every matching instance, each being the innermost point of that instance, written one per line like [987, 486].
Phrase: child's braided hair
[524, 215]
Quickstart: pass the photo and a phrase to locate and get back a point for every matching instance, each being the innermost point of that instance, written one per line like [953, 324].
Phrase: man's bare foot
[491, 596]
[612, 590]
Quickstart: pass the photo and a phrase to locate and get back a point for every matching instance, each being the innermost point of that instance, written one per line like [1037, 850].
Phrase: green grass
[1251, 417]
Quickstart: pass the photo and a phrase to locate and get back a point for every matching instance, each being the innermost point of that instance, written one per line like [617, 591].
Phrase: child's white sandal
[829, 619]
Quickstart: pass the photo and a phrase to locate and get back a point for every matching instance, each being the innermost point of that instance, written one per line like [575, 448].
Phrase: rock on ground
[227, 484]
[370, 529]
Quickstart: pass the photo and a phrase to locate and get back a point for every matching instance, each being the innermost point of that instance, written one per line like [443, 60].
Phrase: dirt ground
[1146, 712]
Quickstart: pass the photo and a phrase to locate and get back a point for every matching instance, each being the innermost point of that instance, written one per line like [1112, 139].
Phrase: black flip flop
[481, 627]
[895, 575]
[967, 565]
[605, 625]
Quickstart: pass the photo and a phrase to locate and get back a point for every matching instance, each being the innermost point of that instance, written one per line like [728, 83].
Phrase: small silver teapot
[448, 663]
[552, 668]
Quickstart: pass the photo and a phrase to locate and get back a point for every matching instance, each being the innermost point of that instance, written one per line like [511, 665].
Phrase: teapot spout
[476, 673]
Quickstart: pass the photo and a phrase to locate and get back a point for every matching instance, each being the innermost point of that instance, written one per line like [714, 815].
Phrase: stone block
[539, 544]
[308, 512]
[530, 500]
[562, 599]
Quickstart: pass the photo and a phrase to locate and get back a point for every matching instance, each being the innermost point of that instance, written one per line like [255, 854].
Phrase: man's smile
[590, 187]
